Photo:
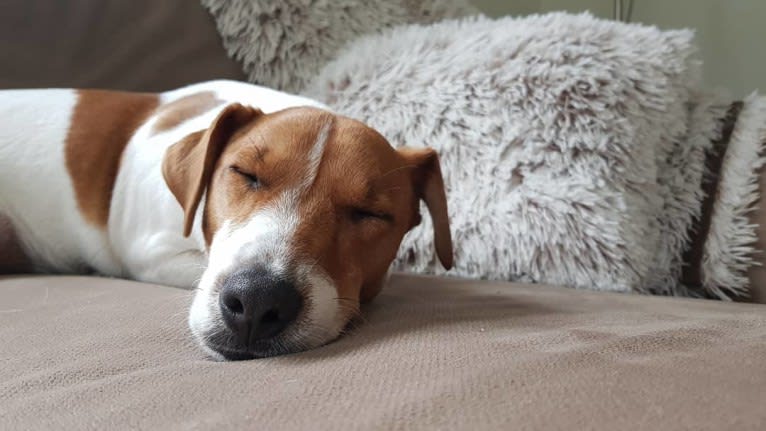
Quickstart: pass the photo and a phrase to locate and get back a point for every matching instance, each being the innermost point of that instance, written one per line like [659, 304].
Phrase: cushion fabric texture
[733, 244]
[683, 167]
[283, 44]
[433, 353]
[553, 131]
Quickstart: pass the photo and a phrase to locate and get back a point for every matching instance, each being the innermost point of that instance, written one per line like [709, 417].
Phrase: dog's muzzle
[256, 307]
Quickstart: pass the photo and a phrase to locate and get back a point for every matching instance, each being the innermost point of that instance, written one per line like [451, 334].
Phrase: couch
[430, 352]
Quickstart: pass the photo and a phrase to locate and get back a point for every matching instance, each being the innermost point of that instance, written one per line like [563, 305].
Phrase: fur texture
[681, 162]
[552, 130]
[729, 246]
[283, 44]
[573, 148]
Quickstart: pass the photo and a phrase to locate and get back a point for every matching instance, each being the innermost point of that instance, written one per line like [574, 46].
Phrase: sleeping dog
[283, 215]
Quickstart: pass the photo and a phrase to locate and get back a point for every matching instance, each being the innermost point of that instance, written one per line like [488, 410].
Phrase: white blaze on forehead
[266, 240]
[316, 153]
[263, 239]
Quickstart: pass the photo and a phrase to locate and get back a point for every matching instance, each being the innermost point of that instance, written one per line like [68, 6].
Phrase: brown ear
[429, 186]
[188, 164]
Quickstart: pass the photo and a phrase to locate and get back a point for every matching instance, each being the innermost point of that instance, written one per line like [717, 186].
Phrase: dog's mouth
[221, 345]
[238, 352]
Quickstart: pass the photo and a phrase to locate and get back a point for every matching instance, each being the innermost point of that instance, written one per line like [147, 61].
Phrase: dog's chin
[219, 344]
[229, 351]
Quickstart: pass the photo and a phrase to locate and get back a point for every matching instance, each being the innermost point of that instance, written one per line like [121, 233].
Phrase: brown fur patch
[13, 260]
[351, 216]
[363, 172]
[359, 170]
[252, 150]
[189, 163]
[176, 112]
[102, 124]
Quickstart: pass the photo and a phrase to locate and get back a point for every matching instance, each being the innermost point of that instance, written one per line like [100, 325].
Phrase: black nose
[257, 306]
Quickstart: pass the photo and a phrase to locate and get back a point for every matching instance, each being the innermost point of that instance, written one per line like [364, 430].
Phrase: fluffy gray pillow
[681, 169]
[732, 246]
[282, 44]
[551, 130]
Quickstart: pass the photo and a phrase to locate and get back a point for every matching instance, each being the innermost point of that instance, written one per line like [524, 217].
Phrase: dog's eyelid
[358, 214]
[254, 180]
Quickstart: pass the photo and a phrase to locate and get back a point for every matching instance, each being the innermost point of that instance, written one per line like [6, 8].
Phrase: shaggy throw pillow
[551, 131]
[730, 248]
[282, 44]
[682, 168]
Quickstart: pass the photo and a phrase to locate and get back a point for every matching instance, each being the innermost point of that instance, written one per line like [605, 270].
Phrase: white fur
[149, 242]
[315, 155]
[35, 190]
[144, 239]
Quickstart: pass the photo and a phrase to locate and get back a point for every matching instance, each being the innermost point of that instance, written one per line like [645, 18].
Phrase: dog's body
[160, 188]
[63, 227]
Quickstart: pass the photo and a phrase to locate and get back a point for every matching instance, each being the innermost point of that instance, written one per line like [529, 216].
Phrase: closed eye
[359, 214]
[252, 179]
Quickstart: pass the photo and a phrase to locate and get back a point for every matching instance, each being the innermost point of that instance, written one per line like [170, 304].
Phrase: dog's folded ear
[189, 163]
[429, 186]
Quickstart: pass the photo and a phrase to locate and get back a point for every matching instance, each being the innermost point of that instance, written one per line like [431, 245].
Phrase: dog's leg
[165, 259]
[183, 270]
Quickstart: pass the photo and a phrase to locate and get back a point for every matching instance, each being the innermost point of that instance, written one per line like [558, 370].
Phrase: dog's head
[303, 214]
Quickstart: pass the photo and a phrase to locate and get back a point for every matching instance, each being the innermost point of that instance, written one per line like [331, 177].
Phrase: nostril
[281, 304]
[270, 316]
[235, 311]
[233, 304]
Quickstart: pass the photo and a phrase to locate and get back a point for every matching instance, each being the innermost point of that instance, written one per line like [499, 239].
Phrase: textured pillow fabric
[734, 244]
[551, 130]
[283, 44]
[682, 158]
[757, 219]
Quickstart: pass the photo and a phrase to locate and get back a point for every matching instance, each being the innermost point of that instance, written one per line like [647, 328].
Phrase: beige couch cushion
[146, 45]
[88, 353]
